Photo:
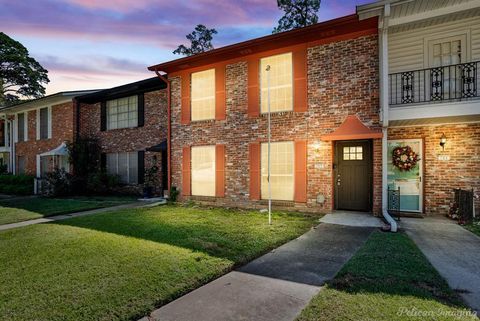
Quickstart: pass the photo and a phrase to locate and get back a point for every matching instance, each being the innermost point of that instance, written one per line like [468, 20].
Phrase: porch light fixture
[316, 147]
[443, 141]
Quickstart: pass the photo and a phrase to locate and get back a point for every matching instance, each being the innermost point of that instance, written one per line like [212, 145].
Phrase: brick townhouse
[130, 123]
[326, 133]
[33, 130]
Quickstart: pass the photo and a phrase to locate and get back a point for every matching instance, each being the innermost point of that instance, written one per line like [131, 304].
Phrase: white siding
[406, 49]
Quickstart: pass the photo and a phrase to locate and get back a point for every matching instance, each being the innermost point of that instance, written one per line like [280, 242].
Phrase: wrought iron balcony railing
[437, 84]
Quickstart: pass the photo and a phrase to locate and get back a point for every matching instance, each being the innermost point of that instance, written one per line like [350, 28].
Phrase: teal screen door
[410, 182]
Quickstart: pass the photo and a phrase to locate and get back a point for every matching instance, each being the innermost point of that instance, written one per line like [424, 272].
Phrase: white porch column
[383, 70]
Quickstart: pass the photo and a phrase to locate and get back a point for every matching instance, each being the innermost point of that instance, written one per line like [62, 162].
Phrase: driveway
[274, 287]
[453, 251]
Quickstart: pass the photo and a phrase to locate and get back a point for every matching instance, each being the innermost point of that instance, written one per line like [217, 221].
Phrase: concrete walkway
[67, 216]
[452, 250]
[274, 287]
[351, 218]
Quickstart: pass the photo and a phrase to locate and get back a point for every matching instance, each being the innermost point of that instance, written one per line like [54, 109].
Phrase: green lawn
[474, 227]
[121, 265]
[17, 210]
[386, 278]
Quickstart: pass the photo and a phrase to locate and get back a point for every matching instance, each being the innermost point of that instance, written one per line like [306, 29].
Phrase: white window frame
[25, 126]
[49, 122]
[262, 70]
[462, 35]
[129, 168]
[108, 114]
[192, 100]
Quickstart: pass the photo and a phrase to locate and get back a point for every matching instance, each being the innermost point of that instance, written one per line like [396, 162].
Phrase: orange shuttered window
[220, 170]
[220, 98]
[254, 156]
[186, 171]
[253, 88]
[300, 194]
[300, 103]
[185, 114]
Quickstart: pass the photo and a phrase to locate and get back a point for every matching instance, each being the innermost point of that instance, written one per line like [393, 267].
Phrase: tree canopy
[21, 76]
[298, 14]
[200, 41]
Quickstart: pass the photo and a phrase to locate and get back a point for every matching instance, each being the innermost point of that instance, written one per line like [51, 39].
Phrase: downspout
[383, 56]
[169, 131]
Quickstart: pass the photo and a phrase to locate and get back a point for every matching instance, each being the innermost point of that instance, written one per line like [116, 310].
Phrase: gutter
[169, 130]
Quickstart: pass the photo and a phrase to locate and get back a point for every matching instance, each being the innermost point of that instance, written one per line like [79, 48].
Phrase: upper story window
[22, 127]
[122, 113]
[280, 82]
[44, 123]
[447, 51]
[203, 95]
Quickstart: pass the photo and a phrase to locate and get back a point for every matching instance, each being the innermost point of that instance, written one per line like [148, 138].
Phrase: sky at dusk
[91, 44]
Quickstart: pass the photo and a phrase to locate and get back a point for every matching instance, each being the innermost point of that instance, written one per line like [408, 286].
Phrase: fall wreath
[404, 158]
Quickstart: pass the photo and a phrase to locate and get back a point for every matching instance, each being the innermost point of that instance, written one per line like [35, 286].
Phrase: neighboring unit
[430, 97]
[34, 134]
[130, 124]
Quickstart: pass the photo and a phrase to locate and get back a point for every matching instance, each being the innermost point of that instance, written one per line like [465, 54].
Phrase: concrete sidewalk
[352, 218]
[452, 250]
[274, 287]
[67, 216]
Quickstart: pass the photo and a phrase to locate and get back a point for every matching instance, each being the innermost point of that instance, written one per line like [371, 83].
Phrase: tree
[298, 14]
[20, 74]
[200, 41]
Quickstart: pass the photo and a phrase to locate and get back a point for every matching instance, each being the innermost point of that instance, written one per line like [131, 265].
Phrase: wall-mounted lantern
[316, 147]
[443, 141]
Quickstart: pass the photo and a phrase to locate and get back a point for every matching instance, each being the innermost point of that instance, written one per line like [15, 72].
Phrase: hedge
[16, 184]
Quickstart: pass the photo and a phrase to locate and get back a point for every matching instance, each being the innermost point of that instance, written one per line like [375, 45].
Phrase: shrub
[16, 184]
[101, 183]
[59, 183]
[173, 194]
[3, 169]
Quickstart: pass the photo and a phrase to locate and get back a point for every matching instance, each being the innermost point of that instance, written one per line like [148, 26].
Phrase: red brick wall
[342, 80]
[62, 130]
[441, 176]
[152, 133]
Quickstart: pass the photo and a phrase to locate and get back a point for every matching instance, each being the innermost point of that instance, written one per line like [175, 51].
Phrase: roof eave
[245, 48]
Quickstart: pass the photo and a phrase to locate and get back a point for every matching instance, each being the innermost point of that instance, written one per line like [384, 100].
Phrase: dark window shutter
[103, 161]
[141, 167]
[103, 116]
[255, 170]
[141, 110]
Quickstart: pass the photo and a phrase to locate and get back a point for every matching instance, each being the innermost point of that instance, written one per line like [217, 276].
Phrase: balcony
[433, 85]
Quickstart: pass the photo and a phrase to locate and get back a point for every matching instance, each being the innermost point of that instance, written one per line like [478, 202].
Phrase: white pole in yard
[268, 162]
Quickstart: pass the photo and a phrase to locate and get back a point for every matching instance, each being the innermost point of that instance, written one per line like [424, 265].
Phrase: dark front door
[353, 175]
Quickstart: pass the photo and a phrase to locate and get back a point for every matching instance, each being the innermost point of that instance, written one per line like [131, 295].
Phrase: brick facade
[342, 80]
[134, 139]
[440, 176]
[62, 130]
